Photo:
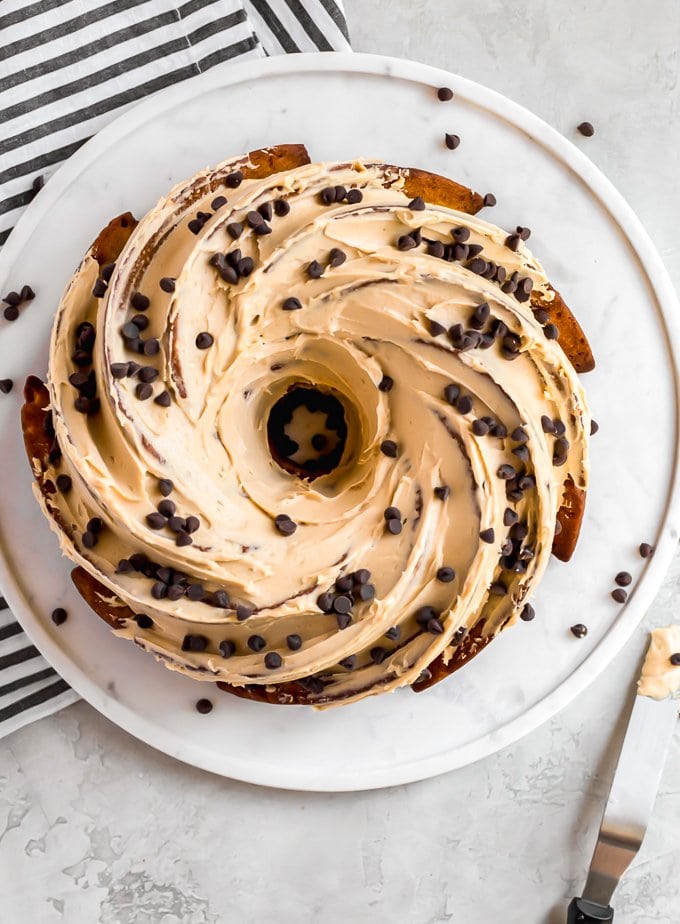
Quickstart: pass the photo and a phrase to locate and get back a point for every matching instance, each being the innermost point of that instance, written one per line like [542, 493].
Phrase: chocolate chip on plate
[586, 129]
[6, 386]
[59, 616]
[527, 613]
[579, 630]
[444, 94]
[623, 579]
[204, 706]
[451, 141]
[619, 595]
[646, 550]
[285, 525]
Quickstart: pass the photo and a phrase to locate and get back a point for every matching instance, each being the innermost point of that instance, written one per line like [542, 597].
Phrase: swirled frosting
[464, 420]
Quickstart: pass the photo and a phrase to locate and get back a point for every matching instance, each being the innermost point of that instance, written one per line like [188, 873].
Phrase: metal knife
[629, 806]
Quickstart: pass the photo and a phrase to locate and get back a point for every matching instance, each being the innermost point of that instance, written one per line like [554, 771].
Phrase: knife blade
[629, 806]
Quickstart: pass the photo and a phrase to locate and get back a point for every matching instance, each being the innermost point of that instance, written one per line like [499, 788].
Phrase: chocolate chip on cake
[272, 660]
[586, 129]
[256, 643]
[143, 391]
[406, 242]
[417, 204]
[445, 574]
[281, 207]
[165, 486]
[285, 525]
[354, 196]
[59, 616]
[378, 654]
[509, 517]
[227, 648]
[675, 659]
[436, 249]
[619, 595]
[389, 448]
[292, 304]
[294, 642]
[444, 94]
[349, 663]
[488, 535]
[336, 257]
[551, 332]
[451, 141]
[163, 399]
[579, 630]
[386, 383]
[442, 492]
[233, 179]
[167, 284]
[435, 328]
[204, 340]
[155, 520]
[314, 269]
[394, 526]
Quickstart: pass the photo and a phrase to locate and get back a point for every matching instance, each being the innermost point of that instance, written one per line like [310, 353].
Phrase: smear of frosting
[660, 677]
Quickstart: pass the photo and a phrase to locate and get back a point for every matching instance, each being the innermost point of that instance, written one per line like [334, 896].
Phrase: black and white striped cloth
[67, 68]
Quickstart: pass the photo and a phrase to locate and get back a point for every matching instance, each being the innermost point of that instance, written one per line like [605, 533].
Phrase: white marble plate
[595, 252]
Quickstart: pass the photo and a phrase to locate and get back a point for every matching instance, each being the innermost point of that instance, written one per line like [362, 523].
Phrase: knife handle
[581, 911]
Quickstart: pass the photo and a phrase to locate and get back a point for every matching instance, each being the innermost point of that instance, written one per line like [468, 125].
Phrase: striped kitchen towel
[67, 68]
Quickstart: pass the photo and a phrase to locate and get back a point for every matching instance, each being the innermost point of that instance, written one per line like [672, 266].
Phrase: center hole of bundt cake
[307, 431]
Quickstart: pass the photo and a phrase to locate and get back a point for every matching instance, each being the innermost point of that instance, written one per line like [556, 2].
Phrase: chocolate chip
[442, 492]
[527, 613]
[13, 299]
[167, 508]
[314, 270]
[477, 265]
[11, 313]
[436, 249]
[452, 393]
[519, 435]
[167, 284]
[586, 129]
[342, 604]
[266, 210]
[175, 592]
[144, 621]
[497, 589]
[337, 257]
[522, 453]
[464, 404]
[155, 520]
[256, 643]
[519, 531]
[99, 288]
[89, 540]
[444, 94]
[594, 427]
[623, 579]
[675, 659]
[434, 626]
[235, 229]
[204, 706]
[349, 663]
[480, 427]
[362, 576]
[512, 241]
[292, 304]
[406, 242]
[386, 383]
[59, 616]
[165, 486]
[344, 620]
[273, 660]
[64, 483]
[365, 592]
[95, 525]
[505, 472]
[392, 513]
[480, 316]
[325, 602]
[148, 374]
[327, 195]
[446, 574]
[547, 425]
[435, 328]
[159, 590]
[294, 642]
[264, 228]
[451, 141]
[6, 386]
[487, 535]
[143, 391]
[163, 399]
[243, 612]
[551, 332]
[378, 654]
[579, 630]
[192, 524]
[204, 340]
[233, 179]
[151, 346]
[509, 517]
[119, 370]
[227, 648]
[619, 595]
[646, 550]
[140, 302]
[389, 448]
[354, 196]
[133, 368]
[285, 525]
[319, 442]
[559, 428]
[281, 207]
[393, 526]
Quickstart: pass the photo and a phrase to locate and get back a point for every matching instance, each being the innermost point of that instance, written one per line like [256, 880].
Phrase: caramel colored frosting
[660, 677]
[379, 315]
